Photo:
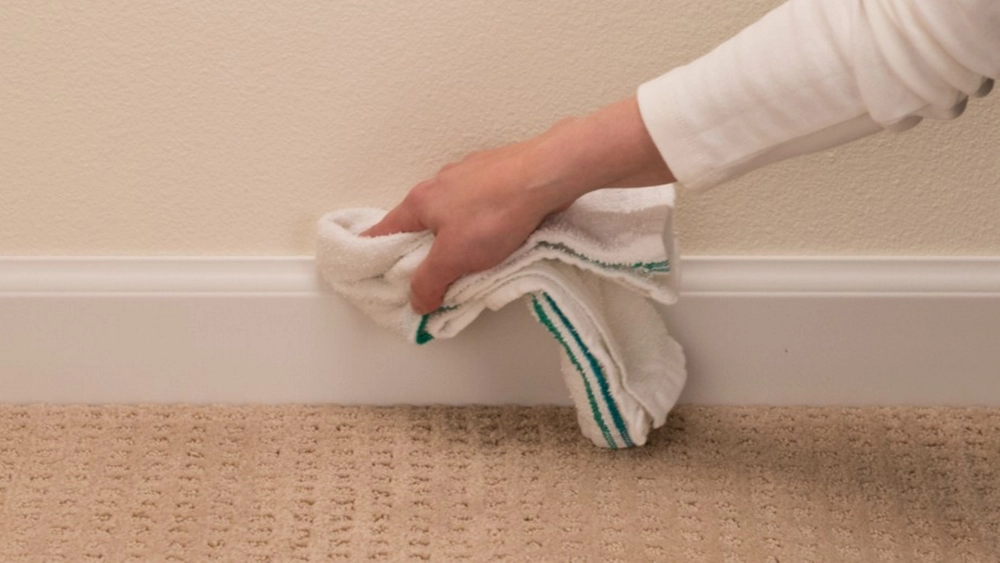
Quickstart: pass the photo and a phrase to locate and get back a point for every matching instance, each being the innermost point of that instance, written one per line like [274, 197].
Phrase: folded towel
[590, 275]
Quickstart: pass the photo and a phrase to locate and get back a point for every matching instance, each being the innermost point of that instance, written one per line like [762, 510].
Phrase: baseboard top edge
[869, 275]
[952, 275]
[160, 274]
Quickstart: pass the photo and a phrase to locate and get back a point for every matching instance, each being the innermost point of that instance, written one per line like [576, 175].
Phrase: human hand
[482, 208]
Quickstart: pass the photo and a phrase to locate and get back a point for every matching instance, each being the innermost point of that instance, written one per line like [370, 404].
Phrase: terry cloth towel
[590, 275]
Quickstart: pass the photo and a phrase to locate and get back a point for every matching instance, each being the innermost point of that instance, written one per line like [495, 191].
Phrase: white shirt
[813, 74]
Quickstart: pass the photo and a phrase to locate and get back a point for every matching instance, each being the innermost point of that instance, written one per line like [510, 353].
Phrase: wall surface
[229, 127]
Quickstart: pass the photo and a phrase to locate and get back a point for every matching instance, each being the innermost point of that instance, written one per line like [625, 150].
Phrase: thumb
[432, 278]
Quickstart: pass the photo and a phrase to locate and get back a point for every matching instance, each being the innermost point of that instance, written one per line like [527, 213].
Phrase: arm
[813, 74]
[810, 75]
[483, 208]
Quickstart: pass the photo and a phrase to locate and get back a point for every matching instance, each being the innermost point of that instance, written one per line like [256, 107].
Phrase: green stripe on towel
[424, 336]
[598, 373]
[662, 266]
[595, 411]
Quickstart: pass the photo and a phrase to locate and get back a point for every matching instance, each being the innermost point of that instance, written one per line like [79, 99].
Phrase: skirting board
[756, 330]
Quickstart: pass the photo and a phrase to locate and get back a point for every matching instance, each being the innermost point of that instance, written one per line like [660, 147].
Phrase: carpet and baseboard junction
[335, 483]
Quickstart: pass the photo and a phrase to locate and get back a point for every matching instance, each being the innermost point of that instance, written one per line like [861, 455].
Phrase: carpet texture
[294, 483]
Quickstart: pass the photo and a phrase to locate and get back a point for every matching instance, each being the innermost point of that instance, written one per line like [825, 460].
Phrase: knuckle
[420, 194]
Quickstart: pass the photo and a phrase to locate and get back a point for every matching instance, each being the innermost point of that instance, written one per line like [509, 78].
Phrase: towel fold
[590, 275]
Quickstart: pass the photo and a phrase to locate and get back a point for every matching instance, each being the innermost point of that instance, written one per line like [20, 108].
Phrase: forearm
[608, 148]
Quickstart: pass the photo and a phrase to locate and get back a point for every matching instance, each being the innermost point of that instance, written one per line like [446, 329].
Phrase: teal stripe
[661, 266]
[595, 411]
[423, 336]
[598, 372]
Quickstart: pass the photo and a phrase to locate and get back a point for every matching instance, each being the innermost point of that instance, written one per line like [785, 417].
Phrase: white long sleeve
[813, 74]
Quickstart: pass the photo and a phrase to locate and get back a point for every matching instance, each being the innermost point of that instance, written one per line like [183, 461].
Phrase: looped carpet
[328, 483]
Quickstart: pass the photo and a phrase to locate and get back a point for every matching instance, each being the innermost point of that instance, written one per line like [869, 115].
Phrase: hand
[484, 207]
[480, 209]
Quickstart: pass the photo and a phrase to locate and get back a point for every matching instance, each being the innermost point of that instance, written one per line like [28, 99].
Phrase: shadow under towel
[592, 275]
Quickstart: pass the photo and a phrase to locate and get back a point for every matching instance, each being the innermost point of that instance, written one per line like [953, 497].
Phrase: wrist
[608, 147]
[560, 163]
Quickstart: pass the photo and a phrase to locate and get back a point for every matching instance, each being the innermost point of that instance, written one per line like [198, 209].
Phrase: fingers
[432, 278]
[405, 217]
[440, 267]
[398, 220]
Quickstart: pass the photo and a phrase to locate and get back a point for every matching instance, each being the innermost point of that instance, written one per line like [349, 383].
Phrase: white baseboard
[817, 331]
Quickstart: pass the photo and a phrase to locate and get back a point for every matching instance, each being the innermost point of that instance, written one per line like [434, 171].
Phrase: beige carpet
[495, 484]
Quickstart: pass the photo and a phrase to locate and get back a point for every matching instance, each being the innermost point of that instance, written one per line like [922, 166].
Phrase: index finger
[398, 220]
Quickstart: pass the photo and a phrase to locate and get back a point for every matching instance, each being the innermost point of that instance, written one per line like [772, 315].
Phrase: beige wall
[228, 127]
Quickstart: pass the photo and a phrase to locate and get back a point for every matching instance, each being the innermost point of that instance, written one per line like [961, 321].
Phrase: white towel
[590, 275]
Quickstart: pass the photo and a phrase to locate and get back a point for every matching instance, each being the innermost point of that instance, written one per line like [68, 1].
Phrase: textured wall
[229, 127]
